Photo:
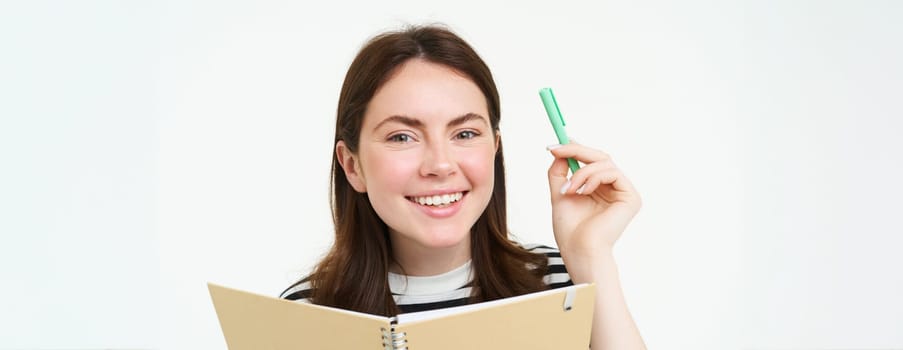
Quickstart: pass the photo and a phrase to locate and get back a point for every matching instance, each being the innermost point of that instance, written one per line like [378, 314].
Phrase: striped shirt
[453, 288]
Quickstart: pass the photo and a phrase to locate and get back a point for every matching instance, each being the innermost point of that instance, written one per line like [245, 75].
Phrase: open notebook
[553, 319]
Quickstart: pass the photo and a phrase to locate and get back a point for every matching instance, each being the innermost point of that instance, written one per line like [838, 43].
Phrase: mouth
[438, 201]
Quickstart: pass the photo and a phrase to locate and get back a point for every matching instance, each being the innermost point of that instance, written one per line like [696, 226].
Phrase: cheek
[390, 170]
[478, 166]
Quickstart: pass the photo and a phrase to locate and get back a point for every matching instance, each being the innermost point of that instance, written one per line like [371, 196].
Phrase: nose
[438, 161]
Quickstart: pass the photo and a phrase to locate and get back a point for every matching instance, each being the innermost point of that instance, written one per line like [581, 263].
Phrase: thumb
[558, 176]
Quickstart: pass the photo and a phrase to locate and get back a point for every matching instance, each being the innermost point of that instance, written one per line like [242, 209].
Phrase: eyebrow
[416, 123]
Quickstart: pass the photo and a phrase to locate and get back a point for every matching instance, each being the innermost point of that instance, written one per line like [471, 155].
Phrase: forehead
[428, 92]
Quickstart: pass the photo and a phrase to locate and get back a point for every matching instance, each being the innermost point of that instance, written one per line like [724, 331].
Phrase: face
[426, 156]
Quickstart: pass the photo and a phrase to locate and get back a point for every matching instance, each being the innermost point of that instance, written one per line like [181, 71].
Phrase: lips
[437, 200]
[445, 206]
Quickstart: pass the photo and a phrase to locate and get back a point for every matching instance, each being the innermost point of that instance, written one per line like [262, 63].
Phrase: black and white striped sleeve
[557, 277]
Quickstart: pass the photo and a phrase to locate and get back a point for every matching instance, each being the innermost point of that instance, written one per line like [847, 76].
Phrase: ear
[351, 167]
[498, 139]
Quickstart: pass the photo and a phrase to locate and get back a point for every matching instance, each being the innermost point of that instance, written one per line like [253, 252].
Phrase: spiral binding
[394, 340]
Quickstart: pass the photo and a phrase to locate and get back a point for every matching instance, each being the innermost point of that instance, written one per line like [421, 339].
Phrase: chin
[443, 240]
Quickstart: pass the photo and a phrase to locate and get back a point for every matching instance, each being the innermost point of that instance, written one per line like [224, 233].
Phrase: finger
[579, 178]
[613, 177]
[558, 175]
[592, 183]
[608, 175]
[579, 152]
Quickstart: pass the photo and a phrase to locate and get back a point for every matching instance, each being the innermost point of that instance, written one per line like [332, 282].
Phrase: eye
[467, 134]
[400, 138]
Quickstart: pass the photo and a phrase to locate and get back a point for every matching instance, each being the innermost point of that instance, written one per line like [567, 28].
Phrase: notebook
[553, 319]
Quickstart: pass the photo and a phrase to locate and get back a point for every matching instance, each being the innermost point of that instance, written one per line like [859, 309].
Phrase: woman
[418, 195]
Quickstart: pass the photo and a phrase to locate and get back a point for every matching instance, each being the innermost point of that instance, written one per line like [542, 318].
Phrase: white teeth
[438, 200]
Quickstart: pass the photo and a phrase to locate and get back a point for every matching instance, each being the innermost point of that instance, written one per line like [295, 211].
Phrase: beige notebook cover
[553, 319]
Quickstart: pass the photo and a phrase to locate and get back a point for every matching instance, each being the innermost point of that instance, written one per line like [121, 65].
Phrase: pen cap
[551, 105]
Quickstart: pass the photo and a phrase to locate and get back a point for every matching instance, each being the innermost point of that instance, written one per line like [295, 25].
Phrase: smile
[437, 200]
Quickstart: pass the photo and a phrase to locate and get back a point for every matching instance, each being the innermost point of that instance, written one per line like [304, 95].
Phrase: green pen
[548, 100]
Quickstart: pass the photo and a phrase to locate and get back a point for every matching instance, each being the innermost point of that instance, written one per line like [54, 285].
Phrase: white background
[149, 147]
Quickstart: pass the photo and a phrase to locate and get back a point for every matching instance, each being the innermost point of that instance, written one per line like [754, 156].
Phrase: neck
[414, 259]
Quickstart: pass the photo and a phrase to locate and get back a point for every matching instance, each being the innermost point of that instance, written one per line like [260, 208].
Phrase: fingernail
[580, 190]
[551, 147]
[565, 187]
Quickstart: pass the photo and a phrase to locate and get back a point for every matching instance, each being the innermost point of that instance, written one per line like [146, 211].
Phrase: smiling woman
[418, 194]
[417, 123]
[411, 166]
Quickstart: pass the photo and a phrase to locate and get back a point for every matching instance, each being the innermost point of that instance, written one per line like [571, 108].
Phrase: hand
[597, 204]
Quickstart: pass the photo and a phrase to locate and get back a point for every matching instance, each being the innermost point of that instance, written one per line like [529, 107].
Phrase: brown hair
[353, 275]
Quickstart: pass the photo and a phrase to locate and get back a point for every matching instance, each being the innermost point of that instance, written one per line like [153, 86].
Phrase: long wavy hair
[353, 275]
